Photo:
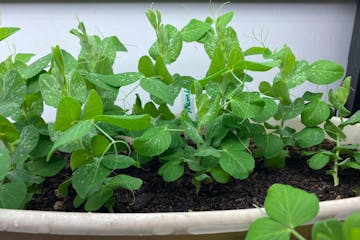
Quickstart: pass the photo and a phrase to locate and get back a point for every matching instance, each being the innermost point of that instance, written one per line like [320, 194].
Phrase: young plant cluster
[97, 139]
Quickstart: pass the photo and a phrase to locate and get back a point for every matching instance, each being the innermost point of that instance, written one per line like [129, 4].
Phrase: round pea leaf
[290, 206]
[314, 113]
[309, 137]
[325, 72]
[267, 229]
[153, 142]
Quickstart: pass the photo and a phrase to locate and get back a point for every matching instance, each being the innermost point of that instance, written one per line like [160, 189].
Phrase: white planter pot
[228, 224]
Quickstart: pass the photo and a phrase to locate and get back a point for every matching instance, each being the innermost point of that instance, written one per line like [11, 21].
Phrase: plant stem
[297, 235]
[336, 162]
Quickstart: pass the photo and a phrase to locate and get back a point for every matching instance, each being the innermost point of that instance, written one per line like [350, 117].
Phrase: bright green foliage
[8, 132]
[117, 161]
[6, 32]
[12, 93]
[93, 106]
[309, 137]
[98, 199]
[325, 72]
[329, 229]
[68, 113]
[129, 122]
[124, 181]
[89, 177]
[172, 170]
[315, 112]
[158, 89]
[319, 160]
[235, 161]
[28, 140]
[5, 163]
[287, 208]
[194, 30]
[12, 195]
[153, 142]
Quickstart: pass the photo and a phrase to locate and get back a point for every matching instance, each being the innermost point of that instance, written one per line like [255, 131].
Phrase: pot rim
[139, 224]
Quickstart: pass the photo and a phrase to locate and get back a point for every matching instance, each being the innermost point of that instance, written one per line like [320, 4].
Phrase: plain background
[313, 31]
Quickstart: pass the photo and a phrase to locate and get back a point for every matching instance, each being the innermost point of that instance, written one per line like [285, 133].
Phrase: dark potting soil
[158, 196]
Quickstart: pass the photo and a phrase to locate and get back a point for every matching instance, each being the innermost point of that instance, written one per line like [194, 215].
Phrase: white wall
[313, 30]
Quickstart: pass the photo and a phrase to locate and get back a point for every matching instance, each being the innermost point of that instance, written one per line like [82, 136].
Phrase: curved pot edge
[137, 224]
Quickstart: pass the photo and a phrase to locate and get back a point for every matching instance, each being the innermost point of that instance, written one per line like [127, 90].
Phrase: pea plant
[96, 139]
[288, 208]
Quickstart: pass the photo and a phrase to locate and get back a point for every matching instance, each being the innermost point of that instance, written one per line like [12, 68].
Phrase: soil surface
[158, 196]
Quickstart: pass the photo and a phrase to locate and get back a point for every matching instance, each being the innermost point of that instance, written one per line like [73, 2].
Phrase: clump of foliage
[101, 139]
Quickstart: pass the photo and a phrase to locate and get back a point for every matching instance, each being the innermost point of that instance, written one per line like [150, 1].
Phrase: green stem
[103, 132]
[297, 235]
[336, 162]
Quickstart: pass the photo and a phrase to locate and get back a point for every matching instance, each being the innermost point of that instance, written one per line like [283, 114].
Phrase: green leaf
[270, 143]
[98, 199]
[78, 158]
[311, 97]
[117, 161]
[290, 206]
[46, 168]
[254, 51]
[93, 106]
[329, 229]
[189, 128]
[88, 177]
[12, 195]
[28, 140]
[8, 132]
[159, 89]
[211, 114]
[318, 161]
[351, 226]
[333, 131]
[217, 65]
[116, 80]
[51, 90]
[261, 67]
[294, 109]
[124, 181]
[337, 104]
[299, 75]
[281, 91]
[162, 71]
[208, 151]
[146, 66]
[172, 170]
[267, 229]
[325, 72]
[224, 20]
[342, 92]
[354, 119]
[24, 57]
[153, 142]
[314, 113]
[236, 162]
[7, 31]
[220, 175]
[12, 93]
[309, 137]
[268, 111]
[194, 30]
[37, 67]
[76, 132]
[76, 87]
[247, 105]
[67, 114]
[5, 163]
[99, 144]
[128, 122]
